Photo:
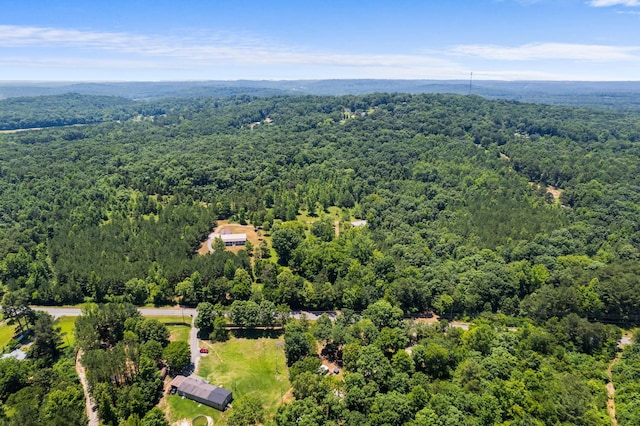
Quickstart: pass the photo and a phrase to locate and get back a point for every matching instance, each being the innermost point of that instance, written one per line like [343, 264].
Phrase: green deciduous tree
[177, 356]
[285, 241]
[297, 344]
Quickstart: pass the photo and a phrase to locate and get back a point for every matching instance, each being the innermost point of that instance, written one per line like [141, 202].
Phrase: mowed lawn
[67, 327]
[244, 366]
[179, 333]
[178, 330]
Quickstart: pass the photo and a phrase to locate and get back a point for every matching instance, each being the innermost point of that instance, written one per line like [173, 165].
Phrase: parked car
[336, 370]
[204, 350]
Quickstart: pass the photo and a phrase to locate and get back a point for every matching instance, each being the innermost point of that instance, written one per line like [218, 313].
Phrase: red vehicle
[204, 350]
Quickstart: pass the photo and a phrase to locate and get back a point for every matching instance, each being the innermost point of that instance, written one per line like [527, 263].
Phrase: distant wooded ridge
[605, 94]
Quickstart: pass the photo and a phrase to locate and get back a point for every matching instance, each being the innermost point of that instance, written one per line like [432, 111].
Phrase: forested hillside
[62, 110]
[478, 209]
[594, 94]
[453, 189]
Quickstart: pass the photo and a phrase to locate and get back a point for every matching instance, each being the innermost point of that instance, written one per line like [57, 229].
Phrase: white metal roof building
[234, 239]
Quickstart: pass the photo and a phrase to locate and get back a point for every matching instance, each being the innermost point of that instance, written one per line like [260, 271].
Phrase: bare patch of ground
[288, 397]
[330, 358]
[554, 191]
[435, 318]
[163, 404]
[253, 235]
[92, 414]
[611, 391]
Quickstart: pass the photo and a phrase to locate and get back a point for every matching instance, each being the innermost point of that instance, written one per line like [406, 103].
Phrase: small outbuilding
[200, 391]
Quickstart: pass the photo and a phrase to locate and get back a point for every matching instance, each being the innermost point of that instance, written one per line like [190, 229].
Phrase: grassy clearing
[246, 366]
[332, 212]
[178, 333]
[183, 408]
[169, 320]
[6, 334]
[306, 218]
[178, 330]
[67, 327]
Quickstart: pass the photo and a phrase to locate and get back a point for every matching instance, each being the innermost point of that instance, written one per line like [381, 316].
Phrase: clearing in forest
[246, 366]
[555, 192]
[231, 228]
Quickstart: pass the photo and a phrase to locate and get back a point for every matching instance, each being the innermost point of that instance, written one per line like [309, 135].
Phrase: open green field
[183, 408]
[178, 333]
[178, 330]
[6, 334]
[244, 366]
[332, 212]
[169, 320]
[67, 327]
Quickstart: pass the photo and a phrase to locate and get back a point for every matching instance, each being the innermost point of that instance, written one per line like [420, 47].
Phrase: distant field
[333, 212]
[244, 366]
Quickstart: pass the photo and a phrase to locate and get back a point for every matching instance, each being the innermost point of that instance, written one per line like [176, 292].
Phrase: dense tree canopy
[454, 190]
[473, 208]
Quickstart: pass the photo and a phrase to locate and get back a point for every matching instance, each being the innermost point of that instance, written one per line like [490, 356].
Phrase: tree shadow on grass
[257, 333]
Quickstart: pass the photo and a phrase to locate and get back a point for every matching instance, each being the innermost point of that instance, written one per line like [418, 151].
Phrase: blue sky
[80, 40]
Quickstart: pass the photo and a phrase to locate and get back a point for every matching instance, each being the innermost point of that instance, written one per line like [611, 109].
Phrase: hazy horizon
[501, 40]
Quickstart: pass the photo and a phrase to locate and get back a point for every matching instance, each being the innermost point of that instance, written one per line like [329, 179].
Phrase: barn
[202, 392]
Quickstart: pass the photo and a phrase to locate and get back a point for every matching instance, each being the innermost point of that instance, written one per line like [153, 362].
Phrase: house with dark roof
[202, 392]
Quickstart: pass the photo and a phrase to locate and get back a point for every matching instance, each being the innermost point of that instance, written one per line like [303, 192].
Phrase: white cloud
[555, 51]
[30, 52]
[85, 63]
[606, 3]
[205, 48]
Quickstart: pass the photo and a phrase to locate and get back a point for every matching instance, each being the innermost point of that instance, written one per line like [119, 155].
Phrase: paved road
[194, 345]
[147, 312]
[191, 312]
